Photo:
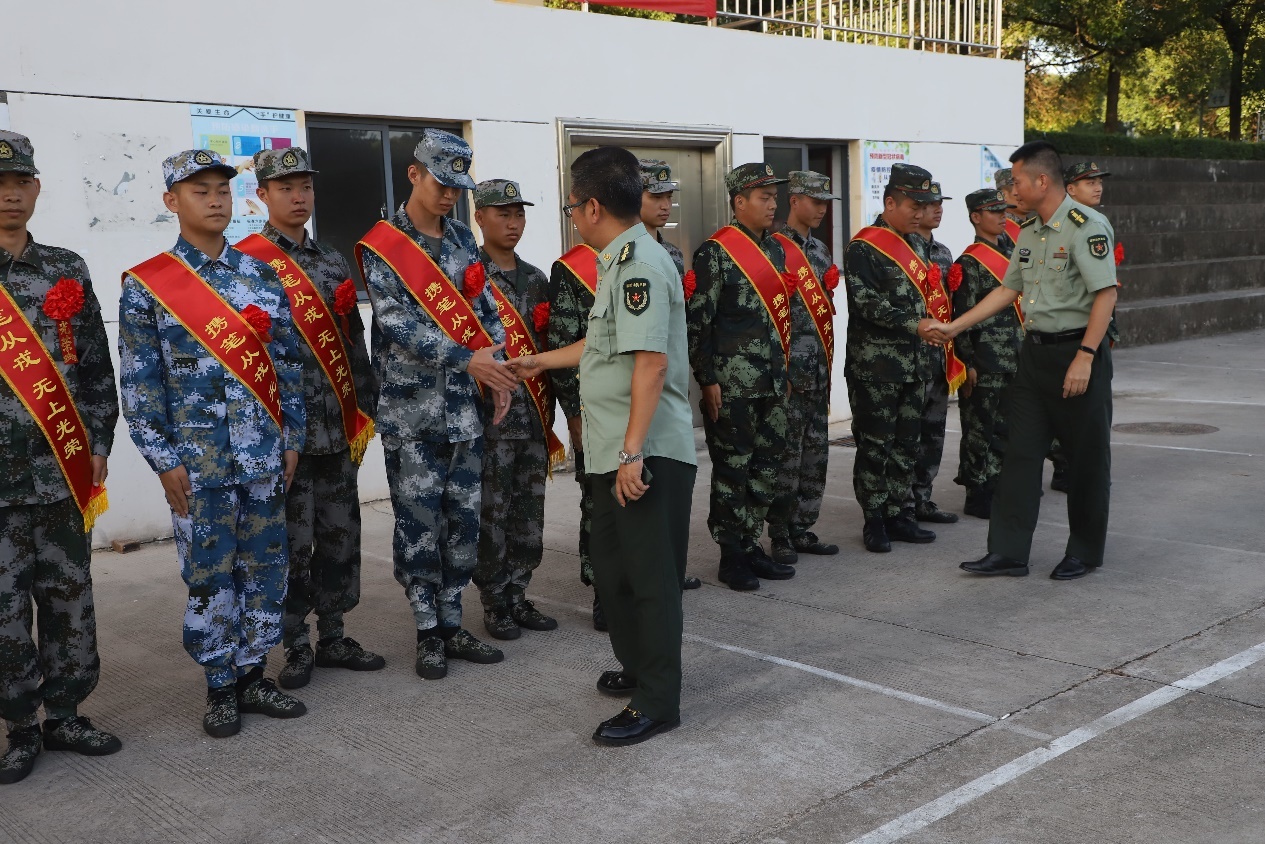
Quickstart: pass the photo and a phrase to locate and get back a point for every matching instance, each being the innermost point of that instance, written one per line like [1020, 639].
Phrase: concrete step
[1165, 319]
[1119, 191]
[1187, 278]
[1177, 169]
[1169, 217]
[1159, 247]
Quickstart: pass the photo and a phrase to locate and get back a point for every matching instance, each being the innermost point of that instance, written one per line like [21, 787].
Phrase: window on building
[830, 159]
[363, 176]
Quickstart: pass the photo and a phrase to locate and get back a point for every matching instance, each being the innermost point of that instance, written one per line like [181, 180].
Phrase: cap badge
[768, 170]
[926, 185]
[203, 158]
[510, 191]
[458, 165]
[289, 160]
[663, 175]
[1093, 166]
[6, 151]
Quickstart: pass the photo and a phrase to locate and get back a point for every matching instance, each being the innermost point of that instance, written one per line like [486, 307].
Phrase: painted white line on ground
[1186, 448]
[1195, 365]
[1127, 397]
[941, 807]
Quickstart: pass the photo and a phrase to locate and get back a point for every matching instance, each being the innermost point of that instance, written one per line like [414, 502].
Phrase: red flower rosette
[1119, 254]
[831, 278]
[476, 277]
[955, 277]
[62, 302]
[689, 283]
[791, 282]
[345, 297]
[540, 316]
[259, 320]
[934, 274]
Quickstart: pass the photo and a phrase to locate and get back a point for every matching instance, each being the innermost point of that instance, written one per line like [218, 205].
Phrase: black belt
[1046, 338]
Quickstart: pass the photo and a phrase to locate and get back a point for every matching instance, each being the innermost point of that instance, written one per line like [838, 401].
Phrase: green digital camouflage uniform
[656, 178]
[935, 405]
[44, 551]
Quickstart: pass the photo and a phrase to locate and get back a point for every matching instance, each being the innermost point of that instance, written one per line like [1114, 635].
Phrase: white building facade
[106, 91]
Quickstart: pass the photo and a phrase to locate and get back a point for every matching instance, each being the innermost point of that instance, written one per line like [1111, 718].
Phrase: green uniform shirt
[639, 307]
[1060, 265]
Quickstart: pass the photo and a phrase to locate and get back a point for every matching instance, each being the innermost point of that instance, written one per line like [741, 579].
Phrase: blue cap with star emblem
[182, 165]
[17, 155]
[446, 157]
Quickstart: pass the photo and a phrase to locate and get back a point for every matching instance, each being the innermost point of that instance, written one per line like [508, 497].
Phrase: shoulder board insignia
[1077, 217]
[1028, 222]
[626, 252]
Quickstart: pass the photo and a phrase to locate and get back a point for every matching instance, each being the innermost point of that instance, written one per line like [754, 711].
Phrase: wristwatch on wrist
[1090, 349]
[625, 458]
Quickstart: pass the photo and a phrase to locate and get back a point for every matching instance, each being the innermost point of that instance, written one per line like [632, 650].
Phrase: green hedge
[1078, 143]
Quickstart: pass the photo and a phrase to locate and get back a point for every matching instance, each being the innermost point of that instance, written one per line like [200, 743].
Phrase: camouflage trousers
[323, 521]
[44, 558]
[747, 444]
[435, 493]
[511, 537]
[886, 424]
[586, 519]
[983, 414]
[802, 479]
[935, 416]
[233, 557]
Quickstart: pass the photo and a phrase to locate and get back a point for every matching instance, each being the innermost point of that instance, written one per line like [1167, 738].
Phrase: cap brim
[20, 168]
[227, 169]
[762, 182]
[920, 195]
[825, 197]
[461, 180]
[664, 187]
[995, 206]
[505, 202]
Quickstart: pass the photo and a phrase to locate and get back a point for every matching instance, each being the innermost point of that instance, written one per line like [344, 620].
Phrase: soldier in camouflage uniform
[569, 304]
[45, 553]
[430, 413]
[215, 447]
[323, 503]
[657, 188]
[935, 405]
[802, 479]
[739, 362]
[515, 455]
[990, 352]
[889, 364]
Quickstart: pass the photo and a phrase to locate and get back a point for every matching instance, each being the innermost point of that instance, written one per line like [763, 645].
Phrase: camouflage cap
[278, 163]
[1004, 177]
[754, 175]
[447, 157]
[182, 165]
[935, 191]
[987, 199]
[1083, 170]
[913, 181]
[810, 184]
[656, 176]
[498, 192]
[17, 154]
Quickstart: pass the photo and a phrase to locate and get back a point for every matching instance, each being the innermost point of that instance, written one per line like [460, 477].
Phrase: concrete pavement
[872, 698]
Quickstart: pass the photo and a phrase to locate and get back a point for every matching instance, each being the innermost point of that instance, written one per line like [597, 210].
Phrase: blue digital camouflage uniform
[44, 551]
[569, 305]
[323, 502]
[430, 416]
[678, 260]
[935, 406]
[184, 408]
[515, 464]
[802, 476]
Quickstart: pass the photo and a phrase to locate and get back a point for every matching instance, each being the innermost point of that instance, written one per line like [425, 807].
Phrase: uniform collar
[495, 268]
[404, 224]
[758, 238]
[31, 255]
[609, 255]
[196, 258]
[793, 233]
[274, 234]
[1058, 219]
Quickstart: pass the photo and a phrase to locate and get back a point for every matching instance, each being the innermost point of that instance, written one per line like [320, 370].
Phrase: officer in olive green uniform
[1064, 273]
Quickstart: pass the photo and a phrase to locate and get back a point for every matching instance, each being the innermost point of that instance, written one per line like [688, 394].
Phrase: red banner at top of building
[702, 8]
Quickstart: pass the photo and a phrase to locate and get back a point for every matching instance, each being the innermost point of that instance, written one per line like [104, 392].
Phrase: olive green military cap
[1004, 178]
[987, 199]
[17, 154]
[498, 192]
[183, 165]
[1083, 170]
[656, 176]
[810, 184]
[278, 163]
[754, 175]
[913, 181]
[936, 192]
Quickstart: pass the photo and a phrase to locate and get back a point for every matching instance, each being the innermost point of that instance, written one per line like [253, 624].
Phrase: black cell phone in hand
[646, 477]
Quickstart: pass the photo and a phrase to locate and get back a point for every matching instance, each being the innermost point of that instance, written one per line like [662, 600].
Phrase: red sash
[895, 248]
[582, 262]
[315, 322]
[812, 295]
[764, 277]
[30, 372]
[215, 323]
[1012, 229]
[996, 263]
[518, 343]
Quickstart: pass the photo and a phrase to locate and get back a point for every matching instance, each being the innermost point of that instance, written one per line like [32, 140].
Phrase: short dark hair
[1042, 157]
[745, 193]
[612, 176]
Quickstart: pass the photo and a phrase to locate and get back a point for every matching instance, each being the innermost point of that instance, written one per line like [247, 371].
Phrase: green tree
[613, 10]
[1240, 23]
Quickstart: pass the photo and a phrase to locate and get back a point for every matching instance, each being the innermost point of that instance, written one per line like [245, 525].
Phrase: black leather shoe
[783, 551]
[599, 616]
[1071, 568]
[808, 543]
[994, 564]
[631, 727]
[735, 570]
[691, 583]
[979, 503]
[903, 528]
[929, 512]
[765, 568]
[616, 683]
[875, 535]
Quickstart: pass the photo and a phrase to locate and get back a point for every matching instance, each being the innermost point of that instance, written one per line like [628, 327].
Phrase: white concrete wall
[112, 95]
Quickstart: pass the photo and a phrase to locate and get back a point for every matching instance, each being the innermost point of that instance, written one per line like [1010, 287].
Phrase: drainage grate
[845, 442]
[1180, 429]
